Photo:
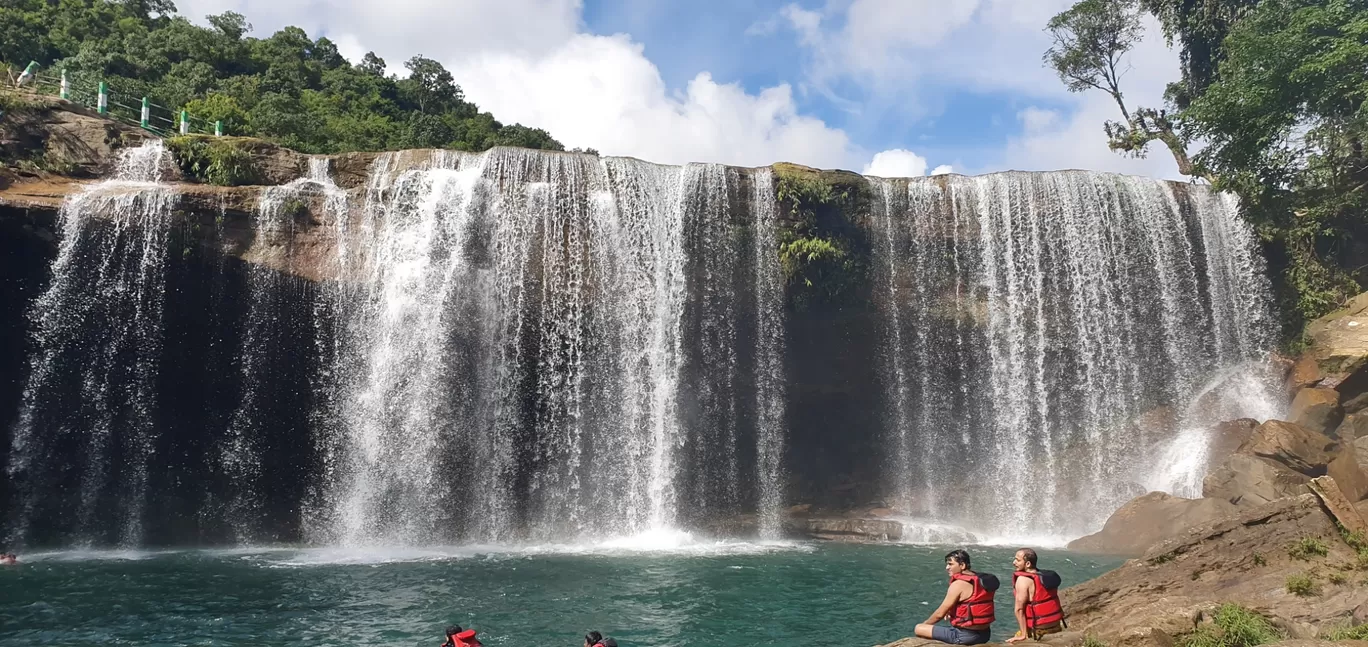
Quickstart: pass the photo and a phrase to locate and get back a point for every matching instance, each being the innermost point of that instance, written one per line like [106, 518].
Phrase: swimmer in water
[8, 559]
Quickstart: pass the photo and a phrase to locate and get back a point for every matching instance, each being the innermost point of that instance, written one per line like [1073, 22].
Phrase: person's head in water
[1024, 560]
[956, 562]
[450, 633]
[592, 638]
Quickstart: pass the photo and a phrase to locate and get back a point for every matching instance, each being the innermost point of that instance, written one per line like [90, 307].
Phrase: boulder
[1317, 409]
[1227, 437]
[1300, 449]
[1338, 348]
[1247, 480]
[854, 529]
[1348, 474]
[1355, 404]
[1354, 427]
[1148, 519]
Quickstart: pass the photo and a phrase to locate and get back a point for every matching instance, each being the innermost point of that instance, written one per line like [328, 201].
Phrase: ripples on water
[691, 593]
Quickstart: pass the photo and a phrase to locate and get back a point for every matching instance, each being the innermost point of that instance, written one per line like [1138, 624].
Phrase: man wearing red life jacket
[968, 605]
[456, 637]
[1038, 609]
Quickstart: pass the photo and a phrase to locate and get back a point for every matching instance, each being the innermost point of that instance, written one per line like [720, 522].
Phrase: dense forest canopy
[290, 88]
[1272, 100]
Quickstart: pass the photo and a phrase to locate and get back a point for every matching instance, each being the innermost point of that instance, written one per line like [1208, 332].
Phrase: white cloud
[604, 93]
[896, 163]
[900, 162]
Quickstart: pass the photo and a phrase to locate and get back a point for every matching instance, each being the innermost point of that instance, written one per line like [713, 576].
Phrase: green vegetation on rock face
[1308, 547]
[289, 88]
[823, 254]
[1232, 626]
[213, 160]
[1274, 93]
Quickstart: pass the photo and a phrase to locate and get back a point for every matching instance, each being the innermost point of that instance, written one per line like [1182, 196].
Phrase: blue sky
[893, 87]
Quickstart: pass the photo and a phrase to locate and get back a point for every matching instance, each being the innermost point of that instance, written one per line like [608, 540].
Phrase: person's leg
[925, 631]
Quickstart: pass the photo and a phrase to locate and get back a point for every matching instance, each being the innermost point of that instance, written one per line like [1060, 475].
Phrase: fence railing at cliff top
[146, 114]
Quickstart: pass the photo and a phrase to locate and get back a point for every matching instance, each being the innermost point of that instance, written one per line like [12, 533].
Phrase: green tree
[1285, 121]
[1091, 41]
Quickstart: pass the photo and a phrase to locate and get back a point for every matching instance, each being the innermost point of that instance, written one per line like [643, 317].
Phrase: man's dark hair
[1029, 556]
[958, 555]
[452, 630]
[593, 637]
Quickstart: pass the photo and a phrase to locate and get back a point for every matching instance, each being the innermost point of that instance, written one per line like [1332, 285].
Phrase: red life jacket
[977, 611]
[467, 639]
[1044, 609]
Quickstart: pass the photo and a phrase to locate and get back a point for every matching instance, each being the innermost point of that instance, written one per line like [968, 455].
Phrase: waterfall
[1031, 320]
[769, 363]
[512, 352]
[87, 424]
[531, 346]
[271, 296]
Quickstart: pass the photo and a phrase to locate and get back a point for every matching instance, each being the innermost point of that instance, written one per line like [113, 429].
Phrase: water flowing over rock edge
[238, 205]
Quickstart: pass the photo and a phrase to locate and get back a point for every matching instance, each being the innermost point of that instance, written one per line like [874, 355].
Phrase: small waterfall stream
[86, 428]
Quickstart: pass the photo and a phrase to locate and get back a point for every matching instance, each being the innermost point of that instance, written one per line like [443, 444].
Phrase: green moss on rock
[823, 251]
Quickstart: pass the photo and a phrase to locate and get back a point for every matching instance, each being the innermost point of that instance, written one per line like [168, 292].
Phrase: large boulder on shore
[1278, 461]
[1300, 449]
[1337, 355]
[1149, 519]
[1247, 480]
[1317, 409]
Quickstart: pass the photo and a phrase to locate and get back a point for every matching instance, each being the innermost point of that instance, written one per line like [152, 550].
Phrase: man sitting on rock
[1038, 610]
[968, 605]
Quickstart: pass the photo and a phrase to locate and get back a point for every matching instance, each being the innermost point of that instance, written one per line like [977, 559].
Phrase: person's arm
[952, 596]
[1022, 596]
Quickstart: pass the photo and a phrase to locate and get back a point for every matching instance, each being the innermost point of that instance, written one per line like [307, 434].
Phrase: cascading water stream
[511, 363]
[269, 323]
[1081, 301]
[87, 420]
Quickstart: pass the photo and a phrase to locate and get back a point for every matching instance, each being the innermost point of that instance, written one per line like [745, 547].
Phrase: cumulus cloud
[900, 162]
[603, 92]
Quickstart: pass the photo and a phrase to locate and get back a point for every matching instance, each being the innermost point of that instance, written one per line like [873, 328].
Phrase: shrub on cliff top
[1233, 626]
[213, 160]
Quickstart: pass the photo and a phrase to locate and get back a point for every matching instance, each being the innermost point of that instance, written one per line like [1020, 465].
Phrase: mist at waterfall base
[709, 596]
[521, 347]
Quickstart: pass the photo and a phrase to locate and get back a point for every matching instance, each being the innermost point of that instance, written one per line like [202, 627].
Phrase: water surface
[696, 594]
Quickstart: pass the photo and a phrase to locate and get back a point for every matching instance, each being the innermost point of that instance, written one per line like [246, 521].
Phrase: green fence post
[27, 74]
[102, 105]
[218, 128]
[185, 123]
[66, 88]
[146, 113]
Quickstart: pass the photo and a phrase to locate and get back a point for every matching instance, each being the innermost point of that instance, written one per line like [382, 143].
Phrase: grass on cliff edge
[1233, 626]
[213, 160]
